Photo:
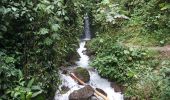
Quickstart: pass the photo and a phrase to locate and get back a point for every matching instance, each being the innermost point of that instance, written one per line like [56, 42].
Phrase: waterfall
[87, 32]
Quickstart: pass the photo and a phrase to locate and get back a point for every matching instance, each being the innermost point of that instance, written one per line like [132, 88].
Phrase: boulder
[117, 87]
[82, 74]
[82, 94]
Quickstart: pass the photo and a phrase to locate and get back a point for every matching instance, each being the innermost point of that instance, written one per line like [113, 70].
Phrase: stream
[95, 80]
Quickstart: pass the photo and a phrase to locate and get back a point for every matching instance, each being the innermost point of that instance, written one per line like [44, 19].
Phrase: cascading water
[95, 80]
[87, 32]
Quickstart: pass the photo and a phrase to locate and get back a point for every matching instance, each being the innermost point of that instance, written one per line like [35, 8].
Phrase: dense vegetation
[121, 46]
[38, 36]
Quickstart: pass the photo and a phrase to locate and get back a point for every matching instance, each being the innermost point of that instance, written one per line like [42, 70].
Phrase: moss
[82, 73]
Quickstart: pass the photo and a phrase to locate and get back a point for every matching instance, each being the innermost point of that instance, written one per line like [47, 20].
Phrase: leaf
[130, 74]
[66, 18]
[28, 96]
[36, 88]
[14, 8]
[105, 1]
[126, 52]
[36, 93]
[43, 31]
[16, 94]
[48, 41]
[20, 74]
[22, 96]
[9, 60]
[3, 28]
[56, 36]
[55, 27]
[30, 83]
[101, 40]
[167, 6]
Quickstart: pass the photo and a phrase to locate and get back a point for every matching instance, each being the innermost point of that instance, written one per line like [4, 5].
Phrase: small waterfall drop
[87, 32]
[84, 59]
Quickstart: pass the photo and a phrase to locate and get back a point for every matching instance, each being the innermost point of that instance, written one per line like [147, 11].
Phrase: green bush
[152, 85]
[138, 69]
[117, 62]
[36, 37]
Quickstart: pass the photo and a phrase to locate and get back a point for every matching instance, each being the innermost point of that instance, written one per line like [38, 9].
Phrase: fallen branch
[96, 93]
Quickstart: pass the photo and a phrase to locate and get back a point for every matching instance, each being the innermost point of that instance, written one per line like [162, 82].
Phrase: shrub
[117, 62]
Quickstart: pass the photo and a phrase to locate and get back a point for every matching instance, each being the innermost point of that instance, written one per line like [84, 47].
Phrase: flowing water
[95, 79]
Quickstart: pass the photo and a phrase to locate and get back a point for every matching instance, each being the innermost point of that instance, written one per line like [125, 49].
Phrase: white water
[95, 79]
[84, 59]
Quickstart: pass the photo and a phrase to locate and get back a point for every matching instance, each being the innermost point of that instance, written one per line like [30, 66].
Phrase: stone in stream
[117, 87]
[82, 74]
[82, 94]
[64, 89]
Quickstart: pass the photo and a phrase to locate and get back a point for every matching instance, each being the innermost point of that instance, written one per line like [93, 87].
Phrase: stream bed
[95, 80]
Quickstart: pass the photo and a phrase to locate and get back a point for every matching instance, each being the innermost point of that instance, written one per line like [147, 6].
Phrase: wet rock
[84, 52]
[82, 74]
[126, 98]
[117, 87]
[82, 94]
[93, 98]
[64, 70]
[101, 91]
[65, 89]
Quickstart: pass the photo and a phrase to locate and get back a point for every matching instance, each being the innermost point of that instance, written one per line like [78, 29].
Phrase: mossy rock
[82, 74]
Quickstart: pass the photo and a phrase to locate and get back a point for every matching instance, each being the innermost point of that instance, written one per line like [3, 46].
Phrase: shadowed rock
[82, 94]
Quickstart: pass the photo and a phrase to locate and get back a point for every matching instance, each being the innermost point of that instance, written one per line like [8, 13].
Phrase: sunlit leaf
[30, 83]
[43, 31]
[55, 27]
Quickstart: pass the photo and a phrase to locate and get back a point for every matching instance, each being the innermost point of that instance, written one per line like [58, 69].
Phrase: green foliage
[117, 62]
[8, 72]
[144, 74]
[36, 37]
[24, 91]
[149, 20]
[152, 85]
[108, 14]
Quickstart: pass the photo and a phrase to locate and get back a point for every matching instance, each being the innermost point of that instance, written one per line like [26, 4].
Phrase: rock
[93, 98]
[117, 88]
[126, 98]
[101, 91]
[82, 94]
[82, 74]
[84, 52]
[64, 71]
[65, 89]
